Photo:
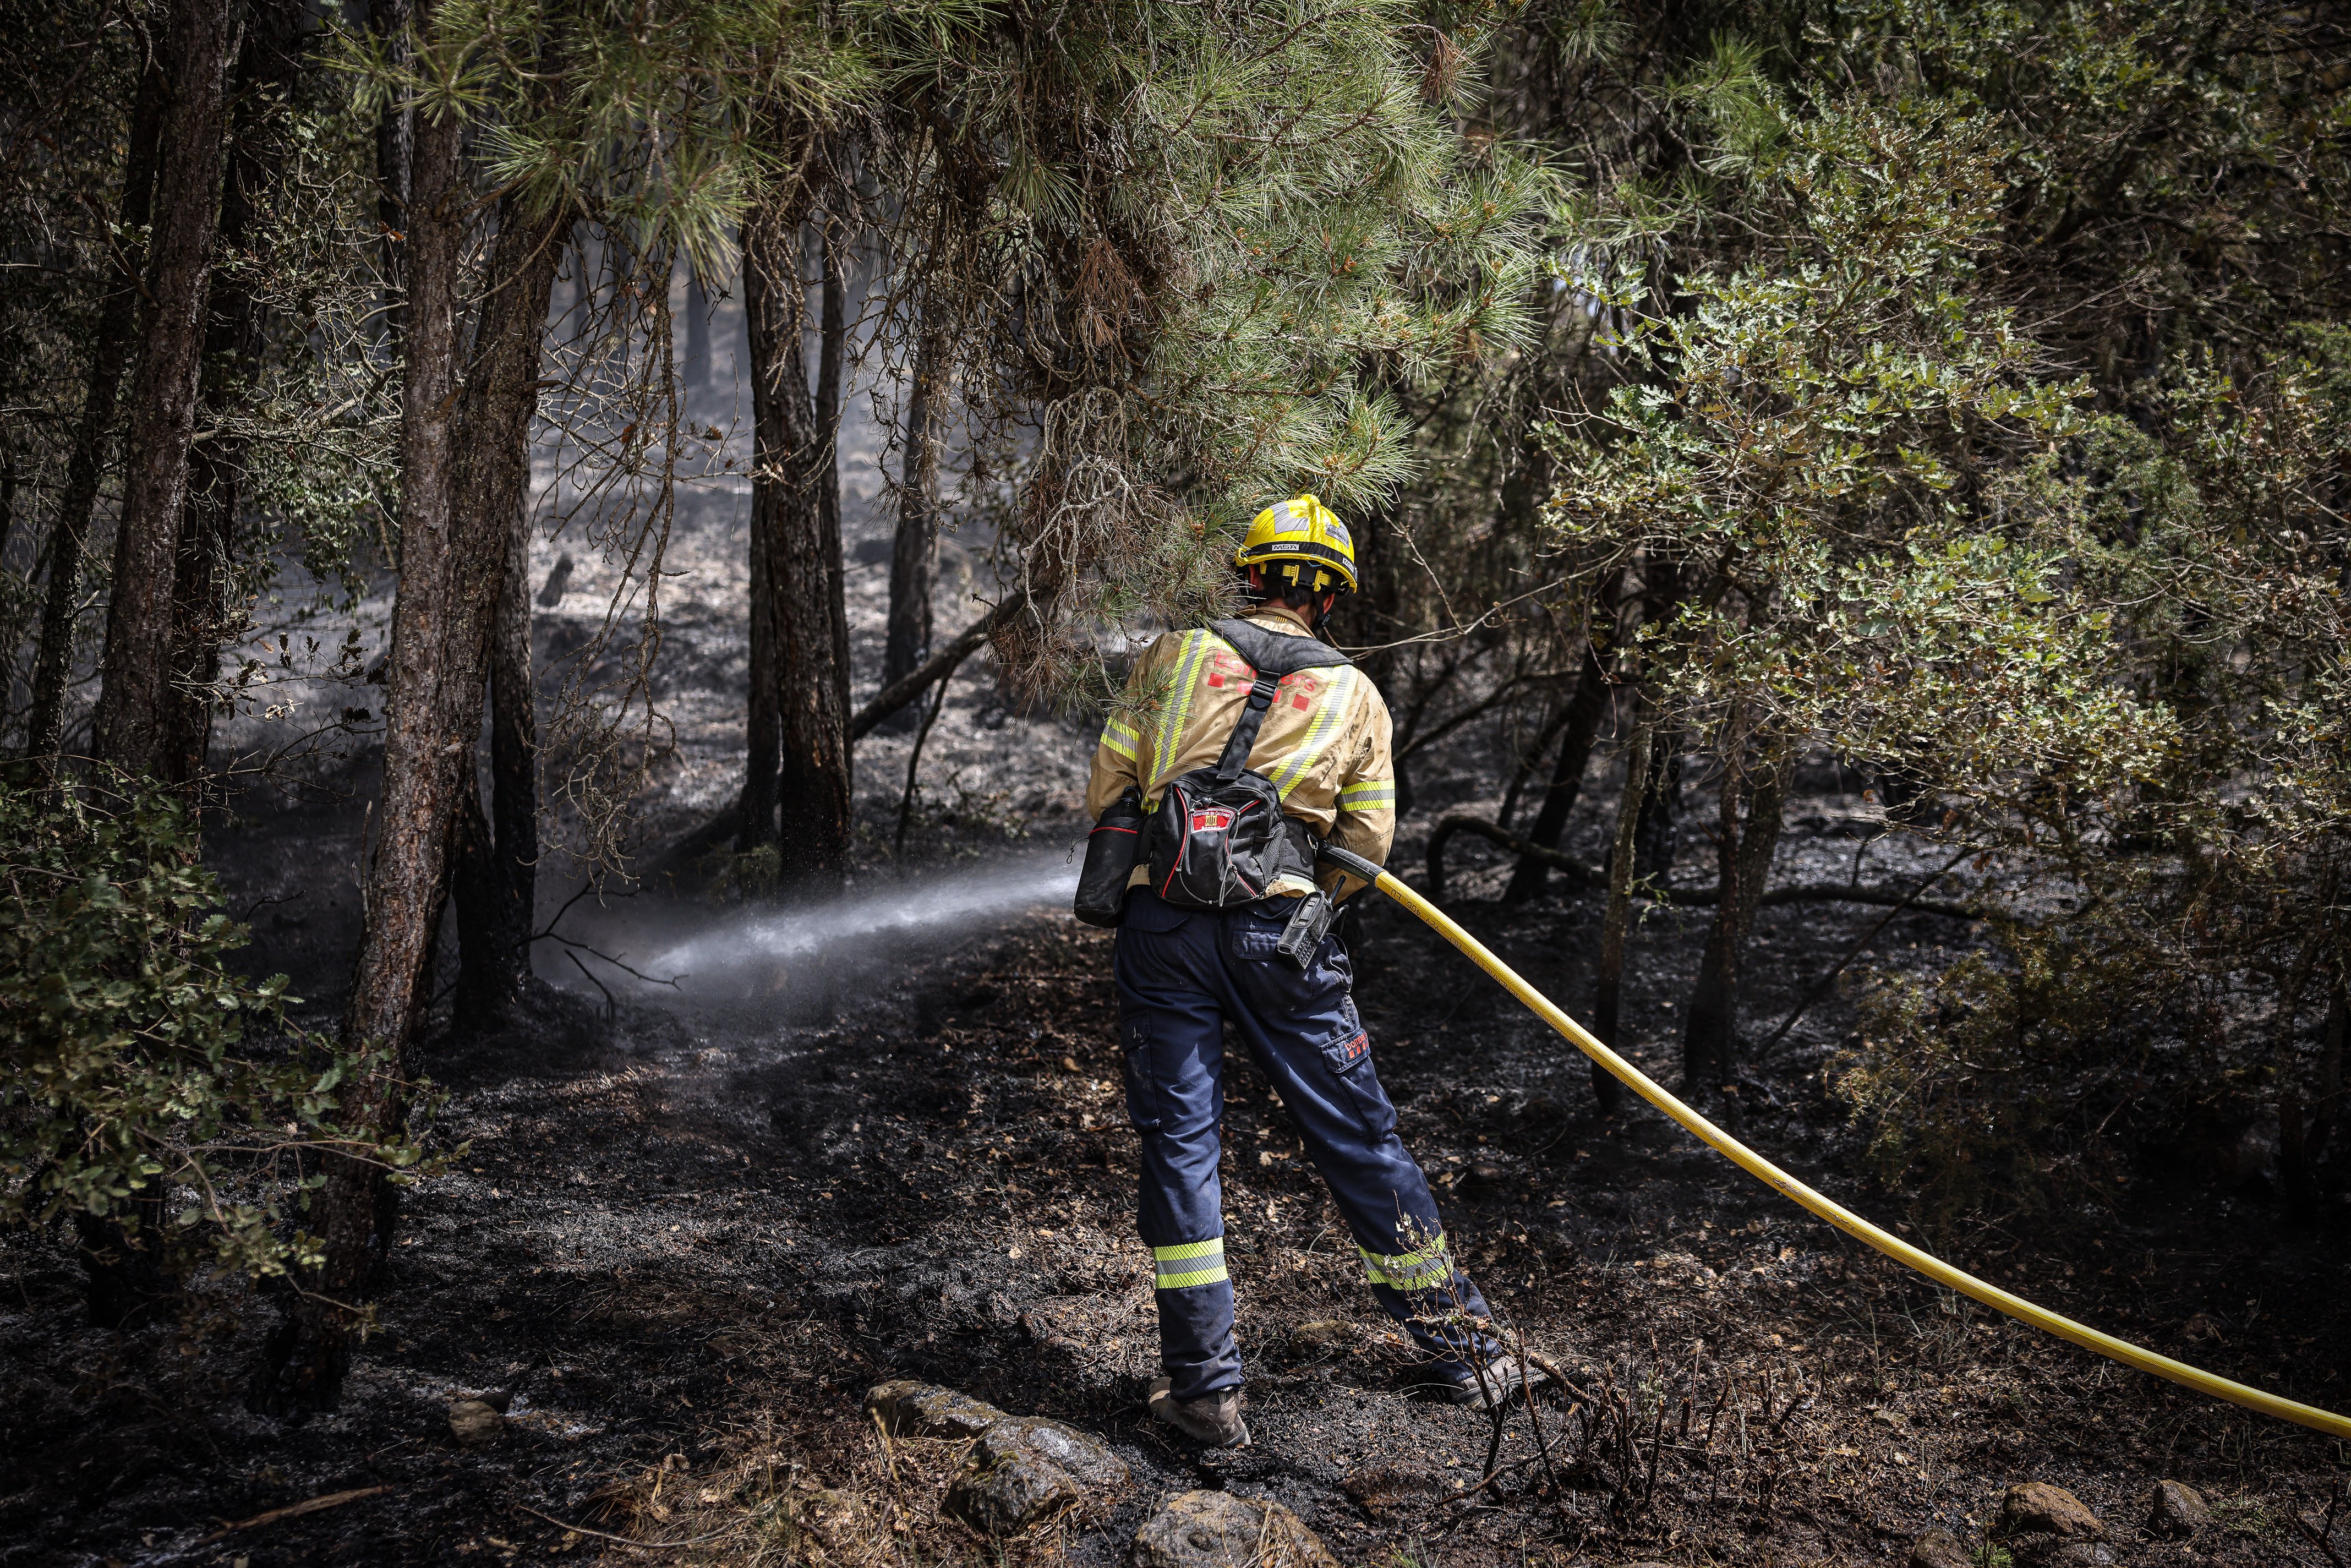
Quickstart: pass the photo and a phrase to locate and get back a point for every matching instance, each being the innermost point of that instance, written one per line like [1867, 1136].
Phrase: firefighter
[1184, 972]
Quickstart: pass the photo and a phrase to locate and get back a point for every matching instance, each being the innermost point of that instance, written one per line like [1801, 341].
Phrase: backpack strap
[1243, 740]
[1274, 652]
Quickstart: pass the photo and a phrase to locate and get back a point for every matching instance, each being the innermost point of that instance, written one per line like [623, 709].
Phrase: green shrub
[142, 1080]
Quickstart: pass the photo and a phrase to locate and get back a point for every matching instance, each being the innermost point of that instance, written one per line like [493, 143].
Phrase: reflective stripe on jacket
[1325, 743]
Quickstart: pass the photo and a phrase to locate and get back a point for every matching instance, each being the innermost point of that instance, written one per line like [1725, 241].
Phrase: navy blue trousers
[1182, 975]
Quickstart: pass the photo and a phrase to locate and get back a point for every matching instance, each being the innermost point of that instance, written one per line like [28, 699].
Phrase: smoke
[821, 947]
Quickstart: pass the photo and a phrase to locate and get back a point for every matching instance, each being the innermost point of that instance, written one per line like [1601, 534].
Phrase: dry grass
[826, 1495]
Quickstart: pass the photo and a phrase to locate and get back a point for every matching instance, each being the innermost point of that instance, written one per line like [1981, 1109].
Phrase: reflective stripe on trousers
[1182, 974]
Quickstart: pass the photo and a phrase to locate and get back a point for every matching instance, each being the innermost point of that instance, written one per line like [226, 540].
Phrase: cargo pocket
[1348, 1055]
[1142, 1091]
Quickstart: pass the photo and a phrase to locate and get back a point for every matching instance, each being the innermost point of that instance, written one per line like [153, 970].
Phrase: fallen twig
[293, 1510]
[618, 1540]
[1820, 986]
[938, 667]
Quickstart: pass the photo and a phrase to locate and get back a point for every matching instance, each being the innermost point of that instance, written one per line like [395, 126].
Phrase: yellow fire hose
[1844, 1218]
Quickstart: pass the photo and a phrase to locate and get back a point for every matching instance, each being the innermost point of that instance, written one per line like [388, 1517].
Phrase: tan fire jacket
[1325, 743]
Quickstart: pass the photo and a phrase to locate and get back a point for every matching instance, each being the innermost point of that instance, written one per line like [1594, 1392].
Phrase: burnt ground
[687, 1234]
[683, 1240]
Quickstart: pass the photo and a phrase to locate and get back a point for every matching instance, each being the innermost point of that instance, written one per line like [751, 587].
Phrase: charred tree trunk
[463, 462]
[117, 319]
[1743, 858]
[915, 549]
[203, 617]
[1657, 835]
[7, 498]
[135, 670]
[774, 306]
[1584, 711]
[796, 780]
[496, 883]
[395, 153]
[1617, 924]
[2330, 1067]
[814, 786]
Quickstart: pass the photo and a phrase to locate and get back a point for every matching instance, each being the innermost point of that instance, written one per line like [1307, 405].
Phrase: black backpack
[1219, 837]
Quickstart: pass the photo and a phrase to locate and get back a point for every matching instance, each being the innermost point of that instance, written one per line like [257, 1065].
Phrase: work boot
[1213, 1420]
[1502, 1381]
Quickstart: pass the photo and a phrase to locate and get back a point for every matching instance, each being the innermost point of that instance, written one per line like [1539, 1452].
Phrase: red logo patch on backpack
[1211, 819]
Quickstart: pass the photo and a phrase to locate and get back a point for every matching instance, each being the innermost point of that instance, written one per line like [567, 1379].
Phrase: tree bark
[1657, 835]
[914, 549]
[134, 672]
[1584, 711]
[464, 464]
[8, 499]
[814, 785]
[1617, 924]
[795, 776]
[118, 319]
[774, 305]
[496, 883]
[697, 329]
[395, 153]
[1743, 861]
[201, 615]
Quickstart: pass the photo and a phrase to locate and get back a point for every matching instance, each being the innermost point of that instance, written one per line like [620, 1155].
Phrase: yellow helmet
[1304, 541]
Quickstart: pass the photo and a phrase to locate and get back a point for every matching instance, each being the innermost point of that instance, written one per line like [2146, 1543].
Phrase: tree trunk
[395, 153]
[914, 549]
[2328, 1114]
[496, 884]
[135, 669]
[118, 317]
[1743, 858]
[814, 782]
[201, 615]
[697, 329]
[1584, 711]
[796, 777]
[774, 304]
[1657, 835]
[1617, 924]
[463, 466]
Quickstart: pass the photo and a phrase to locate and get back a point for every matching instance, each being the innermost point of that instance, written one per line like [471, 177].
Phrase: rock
[1024, 1469]
[1219, 1530]
[1940, 1549]
[2177, 1510]
[823, 1526]
[2037, 1508]
[475, 1421]
[1082, 1453]
[911, 1410]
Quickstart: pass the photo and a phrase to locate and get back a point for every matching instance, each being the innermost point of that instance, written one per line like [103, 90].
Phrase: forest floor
[689, 1230]
[685, 1238]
